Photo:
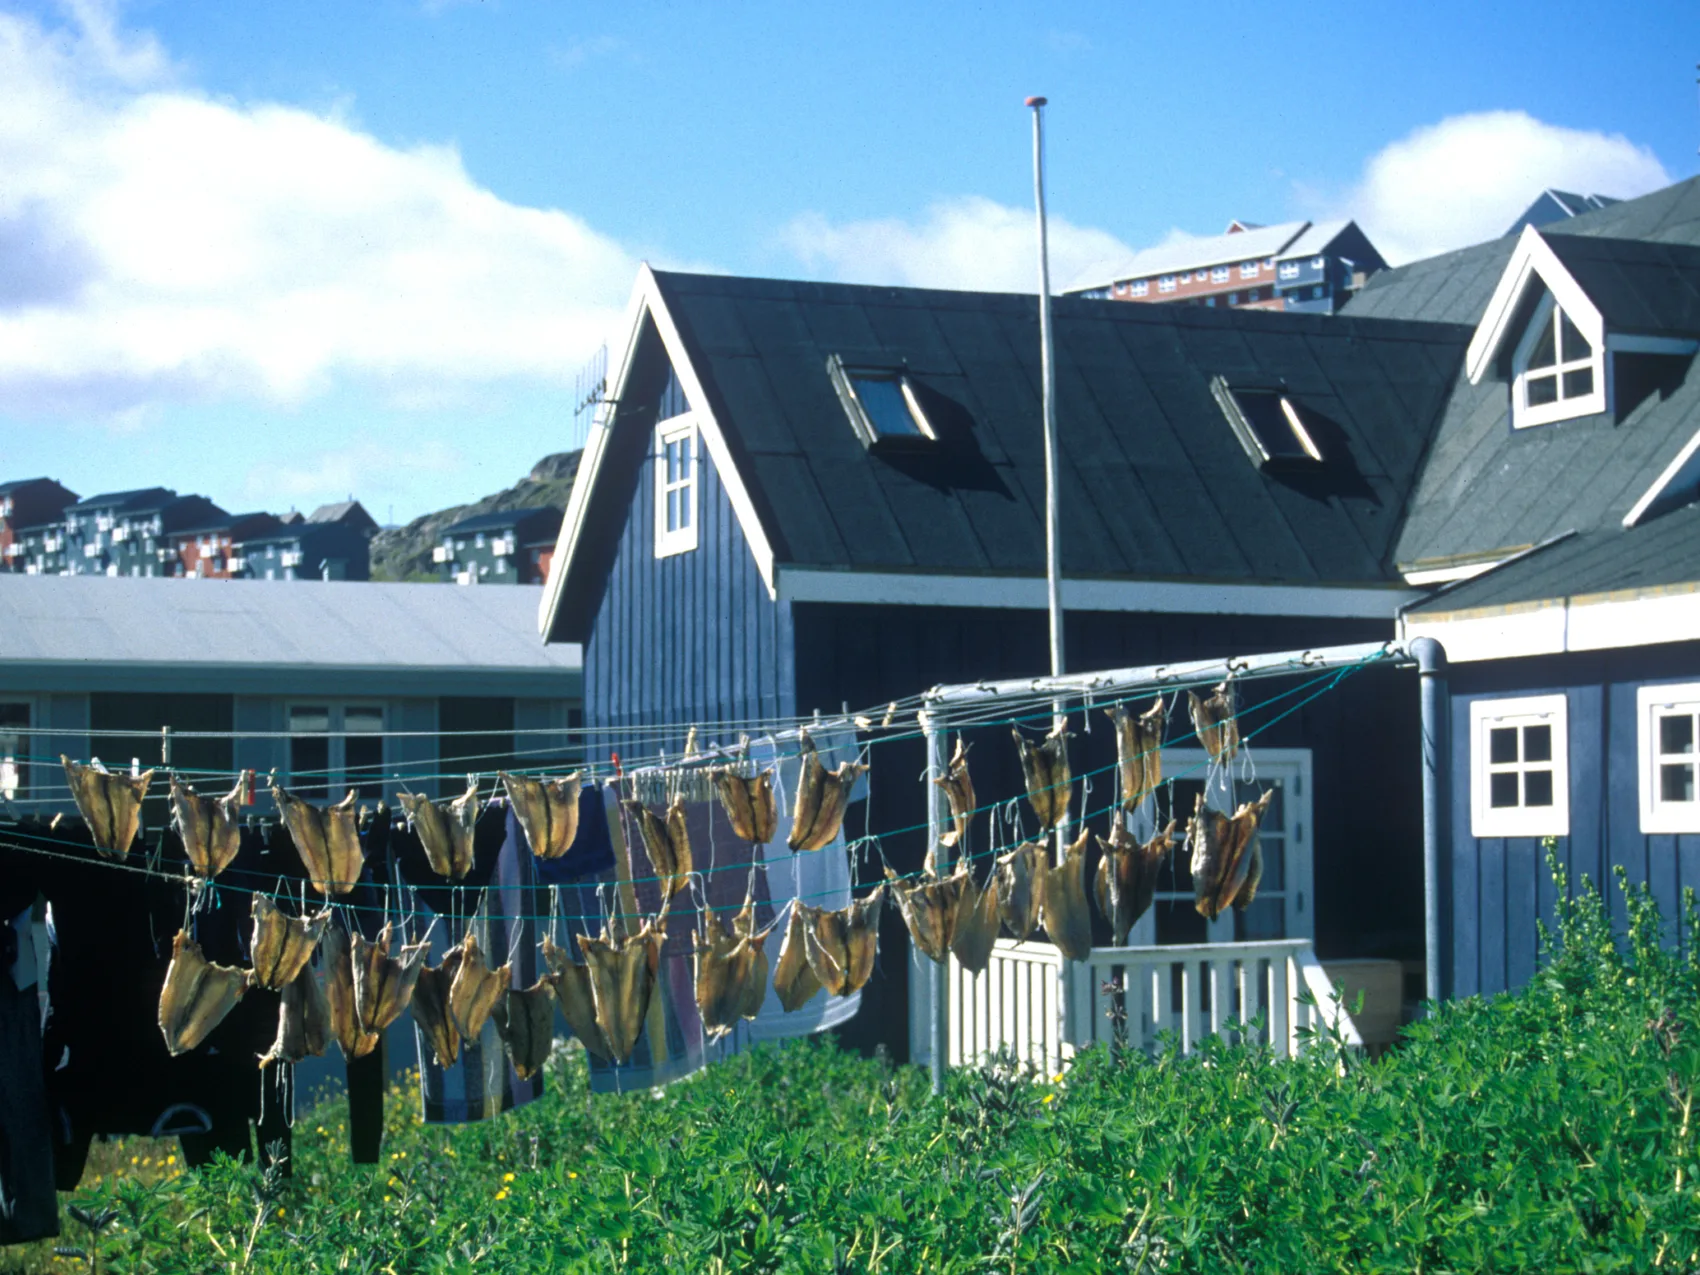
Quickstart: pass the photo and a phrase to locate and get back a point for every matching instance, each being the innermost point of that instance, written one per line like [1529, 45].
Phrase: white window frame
[1221, 274]
[1186, 276]
[1140, 287]
[1652, 703]
[1288, 270]
[336, 782]
[1487, 820]
[682, 539]
[15, 773]
[1523, 414]
[1166, 283]
[1248, 269]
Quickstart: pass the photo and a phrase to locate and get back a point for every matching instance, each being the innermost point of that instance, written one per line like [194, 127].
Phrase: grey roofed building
[1558, 205]
[349, 512]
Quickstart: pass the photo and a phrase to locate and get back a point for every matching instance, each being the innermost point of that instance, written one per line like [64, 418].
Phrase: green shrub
[1550, 1130]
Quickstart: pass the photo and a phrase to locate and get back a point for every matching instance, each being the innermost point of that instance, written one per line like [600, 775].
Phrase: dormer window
[882, 404]
[1269, 424]
[1556, 372]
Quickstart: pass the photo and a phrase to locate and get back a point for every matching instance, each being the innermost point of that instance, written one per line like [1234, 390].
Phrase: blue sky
[282, 253]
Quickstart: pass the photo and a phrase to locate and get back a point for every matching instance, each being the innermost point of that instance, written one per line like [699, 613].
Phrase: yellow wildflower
[1050, 1097]
[507, 1177]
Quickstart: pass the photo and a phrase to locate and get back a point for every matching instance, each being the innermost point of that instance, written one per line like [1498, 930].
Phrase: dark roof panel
[1638, 286]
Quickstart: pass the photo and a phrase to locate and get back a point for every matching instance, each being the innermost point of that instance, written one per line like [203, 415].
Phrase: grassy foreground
[1553, 1130]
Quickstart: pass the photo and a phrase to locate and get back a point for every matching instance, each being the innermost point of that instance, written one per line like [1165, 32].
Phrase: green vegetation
[1553, 1130]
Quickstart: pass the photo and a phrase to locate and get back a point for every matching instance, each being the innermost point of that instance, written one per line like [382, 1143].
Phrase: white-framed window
[1519, 767]
[1166, 283]
[16, 718]
[1668, 724]
[1186, 276]
[1316, 263]
[335, 746]
[1248, 269]
[1557, 373]
[1289, 270]
[1220, 274]
[676, 486]
[1140, 287]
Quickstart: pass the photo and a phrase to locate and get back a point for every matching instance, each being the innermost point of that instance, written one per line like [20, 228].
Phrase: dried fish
[1020, 878]
[339, 993]
[1049, 781]
[525, 1020]
[547, 810]
[1064, 913]
[196, 996]
[1139, 751]
[959, 791]
[208, 826]
[976, 927]
[622, 977]
[475, 990]
[794, 980]
[1220, 862]
[326, 838]
[822, 796]
[842, 943]
[1127, 876]
[668, 843]
[430, 1007]
[574, 995]
[384, 984]
[722, 965]
[749, 804]
[929, 906]
[303, 1022]
[1214, 720]
[445, 830]
[111, 805]
[281, 944]
[755, 974]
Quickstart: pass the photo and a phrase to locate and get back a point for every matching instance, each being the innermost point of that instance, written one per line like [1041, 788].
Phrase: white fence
[1043, 1009]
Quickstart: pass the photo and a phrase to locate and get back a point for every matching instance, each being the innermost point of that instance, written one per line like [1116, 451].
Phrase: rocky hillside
[404, 553]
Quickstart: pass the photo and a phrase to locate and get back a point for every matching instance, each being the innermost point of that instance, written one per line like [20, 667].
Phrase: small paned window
[1141, 287]
[1248, 269]
[1289, 270]
[1186, 276]
[335, 747]
[1316, 263]
[1166, 283]
[1519, 776]
[15, 748]
[1669, 754]
[1269, 424]
[1220, 274]
[676, 487]
[1233, 298]
[1557, 373]
[883, 404]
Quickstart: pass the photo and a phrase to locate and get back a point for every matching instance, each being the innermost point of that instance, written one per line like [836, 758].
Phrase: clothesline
[1332, 677]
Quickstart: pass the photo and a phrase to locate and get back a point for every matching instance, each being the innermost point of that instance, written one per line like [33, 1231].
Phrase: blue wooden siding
[1501, 888]
[690, 638]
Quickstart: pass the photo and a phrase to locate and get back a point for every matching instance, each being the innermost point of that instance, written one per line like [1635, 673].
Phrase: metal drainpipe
[940, 973]
[1437, 759]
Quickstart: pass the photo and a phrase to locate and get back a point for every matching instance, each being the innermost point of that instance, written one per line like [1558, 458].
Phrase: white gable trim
[647, 302]
[1601, 622]
[1532, 256]
[1027, 593]
[1683, 469]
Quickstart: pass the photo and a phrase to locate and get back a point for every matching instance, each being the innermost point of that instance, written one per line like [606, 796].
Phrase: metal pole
[1048, 378]
[939, 975]
[1431, 672]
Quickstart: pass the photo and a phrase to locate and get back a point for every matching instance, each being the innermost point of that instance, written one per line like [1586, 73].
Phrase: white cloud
[1466, 179]
[159, 246]
[968, 242]
[365, 468]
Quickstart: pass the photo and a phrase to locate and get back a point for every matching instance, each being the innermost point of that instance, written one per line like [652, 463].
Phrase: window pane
[363, 719]
[672, 460]
[1541, 390]
[1543, 355]
[1537, 788]
[1676, 734]
[1265, 919]
[1502, 745]
[309, 718]
[1537, 743]
[1579, 383]
[684, 494]
[309, 759]
[1571, 344]
[1676, 783]
[673, 510]
[1502, 789]
[882, 400]
[364, 755]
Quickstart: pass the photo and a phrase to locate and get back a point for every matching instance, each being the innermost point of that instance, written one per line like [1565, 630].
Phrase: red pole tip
[1035, 101]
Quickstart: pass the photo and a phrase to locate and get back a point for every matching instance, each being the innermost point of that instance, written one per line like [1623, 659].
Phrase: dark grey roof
[1154, 484]
[346, 511]
[1641, 287]
[17, 484]
[501, 519]
[1486, 487]
[138, 498]
[1663, 552]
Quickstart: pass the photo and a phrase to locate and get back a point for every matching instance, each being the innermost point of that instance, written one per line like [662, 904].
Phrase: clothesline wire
[1332, 677]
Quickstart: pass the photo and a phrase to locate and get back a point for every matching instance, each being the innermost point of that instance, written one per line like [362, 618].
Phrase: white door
[1285, 903]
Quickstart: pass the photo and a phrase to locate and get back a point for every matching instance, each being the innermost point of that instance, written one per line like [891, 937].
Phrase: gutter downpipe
[939, 974]
[1437, 759]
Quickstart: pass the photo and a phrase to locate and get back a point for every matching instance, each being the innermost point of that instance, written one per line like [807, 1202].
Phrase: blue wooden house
[803, 496]
[1556, 514]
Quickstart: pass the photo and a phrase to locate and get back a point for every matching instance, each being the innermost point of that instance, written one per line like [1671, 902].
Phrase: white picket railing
[1041, 1009]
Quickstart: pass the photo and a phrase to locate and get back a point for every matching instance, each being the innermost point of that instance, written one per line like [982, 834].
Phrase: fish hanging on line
[843, 942]
[476, 989]
[430, 1008]
[1049, 782]
[928, 904]
[822, 796]
[282, 945]
[384, 984]
[1063, 911]
[339, 995]
[1213, 718]
[976, 928]
[303, 1021]
[622, 977]
[111, 805]
[1127, 875]
[726, 964]
[749, 803]
[1224, 852]
[208, 826]
[668, 843]
[959, 793]
[327, 839]
[1139, 751]
[445, 830]
[525, 1020]
[794, 980]
[576, 998]
[547, 810]
[1020, 877]
[196, 996]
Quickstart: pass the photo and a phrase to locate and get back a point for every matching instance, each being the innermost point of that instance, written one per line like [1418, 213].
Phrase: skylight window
[1269, 424]
[882, 404]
